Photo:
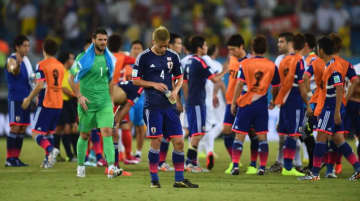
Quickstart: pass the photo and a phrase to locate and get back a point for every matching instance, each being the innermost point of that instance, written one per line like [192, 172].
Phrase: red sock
[126, 140]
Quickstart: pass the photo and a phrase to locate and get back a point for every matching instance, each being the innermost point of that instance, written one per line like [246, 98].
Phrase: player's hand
[25, 104]
[215, 101]
[19, 59]
[233, 109]
[179, 107]
[337, 118]
[309, 111]
[271, 105]
[82, 101]
[160, 87]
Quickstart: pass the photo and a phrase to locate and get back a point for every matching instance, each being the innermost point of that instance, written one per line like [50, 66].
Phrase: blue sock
[264, 153]
[319, 152]
[346, 150]
[178, 161]
[192, 156]
[153, 164]
[289, 152]
[236, 153]
[51, 139]
[164, 147]
[116, 154]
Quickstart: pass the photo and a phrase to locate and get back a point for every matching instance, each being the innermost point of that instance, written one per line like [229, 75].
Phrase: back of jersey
[53, 74]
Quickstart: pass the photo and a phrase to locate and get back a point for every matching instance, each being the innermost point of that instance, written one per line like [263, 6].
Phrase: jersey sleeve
[40, 75]
[335, 79]
[176, 70]
[299, 72]
[310, 71]
[132, 91]
[275, 82]
[186, 73]
[351, 74]
[240, 75]
[138, 70]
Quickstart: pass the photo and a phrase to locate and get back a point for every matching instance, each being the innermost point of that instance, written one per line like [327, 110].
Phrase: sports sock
[96, 141]
[153, 164]
[346, 150]
[19, 142]
[50, 137]
[178, 161]
[43, 142]
[310, 145]
[82, 146]
[331, 157]
[254, 146]
[192, 156]
[358, 151]
[11, 146]
[280, 157]
[236, 152]
[289, 152]
[164, 147]
[67, 145]
[297, 158]
[109, 150]
[116, 149]
[74, 140]
[264, 153]
[126, 140]
[57, 138]
[319, 152]
[228, 141]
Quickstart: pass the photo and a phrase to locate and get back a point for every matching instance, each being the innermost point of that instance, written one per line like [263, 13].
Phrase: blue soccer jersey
[160, 69]
[132, 92]
[334, 80]
[196, 73]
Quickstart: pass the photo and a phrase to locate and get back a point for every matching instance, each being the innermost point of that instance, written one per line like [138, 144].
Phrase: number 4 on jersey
[162, 75]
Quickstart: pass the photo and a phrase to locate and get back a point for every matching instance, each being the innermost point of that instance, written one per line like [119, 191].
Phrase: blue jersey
[161, 69]
[18, 85]
[132, 92]
[196, 73]
[334, 80]
[294, 94]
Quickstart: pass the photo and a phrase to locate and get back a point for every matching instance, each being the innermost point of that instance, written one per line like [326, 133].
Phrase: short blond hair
[161, 34]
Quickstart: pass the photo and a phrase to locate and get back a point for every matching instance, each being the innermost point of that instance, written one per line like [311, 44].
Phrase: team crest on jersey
[17, 118]
[170, 64]
[153, 130]
[134, 73]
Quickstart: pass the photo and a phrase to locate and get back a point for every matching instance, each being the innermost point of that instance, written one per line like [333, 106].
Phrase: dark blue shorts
[196, 115]
[18, 116]
[162, 122]
[326, 121]
[254, 116]
[45, 120]
[352, 117]
[291, 118]
[229, 118]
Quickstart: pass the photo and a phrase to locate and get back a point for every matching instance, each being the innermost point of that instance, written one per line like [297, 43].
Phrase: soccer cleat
[90, 164]
[20, 163]
[276, 167]
[228, 170]
[124, 173]
[185, 184]
[114, 172]
[309, 177]
[235, 171]
[261, 172]
[210, 161]
[45, 164]
[331, 175]
[155, 184]
[292, 172]
[165, 167]
[11, 162]
[52, 156]
[138, 157]
[80, 171]
[101, 163]
[299, 169]
[192, 168]
[355, 176]
[251, 170]
[338, 168]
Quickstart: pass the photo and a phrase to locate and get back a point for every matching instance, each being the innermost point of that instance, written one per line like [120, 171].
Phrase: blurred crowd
[70, 21]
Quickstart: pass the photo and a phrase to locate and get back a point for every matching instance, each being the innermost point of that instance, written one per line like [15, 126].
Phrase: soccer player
[291, 98]
[196, 75]
[328, 110]
[49, 77]
[18, 73]
[154, 70]
[251, 108]
[285, 47]
[95, 105]
[68, 115]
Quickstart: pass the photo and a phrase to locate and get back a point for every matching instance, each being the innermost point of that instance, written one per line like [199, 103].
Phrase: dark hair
[196, 42]
[288, 36]
[259, 44]
[137, 42]
[64, 56]
[99, 31]
[187, 42]
[310, 40]
[114, 43]
[211, 50]
[173, 37]
[235, 40]
[299, 42]
[19, 40]
[337, 42]
[50, 47]
[326, 44]
[88, 40]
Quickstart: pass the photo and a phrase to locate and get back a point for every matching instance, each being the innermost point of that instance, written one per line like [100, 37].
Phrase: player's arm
[307, 77]
[82, 100]
[120, 113]
[238, 89]
[354, 81]
[13, 65]
[339, 87]
[39, 85]
[275, 88]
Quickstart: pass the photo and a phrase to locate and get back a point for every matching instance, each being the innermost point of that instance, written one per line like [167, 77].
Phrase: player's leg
[66, 139]
[254, 147]
[11, 146]
[227, 130]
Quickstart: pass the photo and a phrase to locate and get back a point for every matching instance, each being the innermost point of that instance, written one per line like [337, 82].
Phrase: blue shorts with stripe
[352, 117]
[229, 118]
[326, 121]
[291, 118]
[18, 116]
[45, 120]
[196, 115]
[162, 123]
[254, 116]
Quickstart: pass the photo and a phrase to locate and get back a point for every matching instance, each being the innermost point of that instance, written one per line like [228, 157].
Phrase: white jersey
[184, 61]
[357, 69]
[279, 59]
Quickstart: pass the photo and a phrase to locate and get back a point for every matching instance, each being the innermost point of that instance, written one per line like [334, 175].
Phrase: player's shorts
[352, 117]
[162, 123]
[18, 116]
[291, 118]
[103, 118]
[137, 112]
[68, 113]
[229, 118]
[126, 118]
[254, 116]
[45, 120]
[326, 122]
[196, 115]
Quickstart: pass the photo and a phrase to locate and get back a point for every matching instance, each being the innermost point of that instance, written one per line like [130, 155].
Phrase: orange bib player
[49, 77]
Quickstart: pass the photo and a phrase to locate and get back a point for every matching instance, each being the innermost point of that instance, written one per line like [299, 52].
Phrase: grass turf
[61, 184]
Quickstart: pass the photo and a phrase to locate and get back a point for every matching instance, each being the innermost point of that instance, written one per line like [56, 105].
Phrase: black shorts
[68, 112]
